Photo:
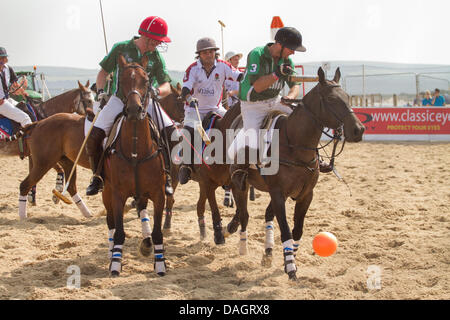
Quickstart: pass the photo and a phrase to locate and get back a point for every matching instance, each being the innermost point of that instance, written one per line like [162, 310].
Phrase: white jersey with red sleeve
[207, 89]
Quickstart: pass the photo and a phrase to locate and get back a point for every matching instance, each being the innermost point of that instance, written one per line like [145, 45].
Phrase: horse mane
[49, 103]
[230, 115]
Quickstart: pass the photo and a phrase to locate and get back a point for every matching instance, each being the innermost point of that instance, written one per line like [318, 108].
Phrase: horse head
[135, 83]
[333, 109]
[86, 99]
[173, 104]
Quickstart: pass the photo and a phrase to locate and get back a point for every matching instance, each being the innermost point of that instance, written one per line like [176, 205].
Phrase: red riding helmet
[154, 28]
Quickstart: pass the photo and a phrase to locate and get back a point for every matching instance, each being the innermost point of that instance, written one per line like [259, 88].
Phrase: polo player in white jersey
[9, 79]
[202, 86]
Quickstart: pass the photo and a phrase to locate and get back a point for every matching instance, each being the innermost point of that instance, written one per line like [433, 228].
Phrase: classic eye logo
[364, 117]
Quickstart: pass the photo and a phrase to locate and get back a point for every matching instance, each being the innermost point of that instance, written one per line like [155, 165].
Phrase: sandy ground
[396, 222]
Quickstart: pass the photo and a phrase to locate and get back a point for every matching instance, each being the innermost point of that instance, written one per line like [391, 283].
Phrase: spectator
[232, 87]
[427, 99]
[438, 100]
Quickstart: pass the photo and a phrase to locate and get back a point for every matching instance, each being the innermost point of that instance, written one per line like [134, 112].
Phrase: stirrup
[95, 186]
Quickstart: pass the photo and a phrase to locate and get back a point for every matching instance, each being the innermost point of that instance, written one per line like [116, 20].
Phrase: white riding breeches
[191, 117]
[115, 106]
[9, 110]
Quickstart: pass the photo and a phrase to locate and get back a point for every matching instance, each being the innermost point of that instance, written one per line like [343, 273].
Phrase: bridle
[83, 100]
[143, 99]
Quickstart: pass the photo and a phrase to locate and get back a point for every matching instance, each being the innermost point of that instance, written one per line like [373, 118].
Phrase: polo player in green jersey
[267, 71]
[153, 31]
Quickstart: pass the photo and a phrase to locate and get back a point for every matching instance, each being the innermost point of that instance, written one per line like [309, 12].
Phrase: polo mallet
[200, 129]
[56, 192]
[299, 78]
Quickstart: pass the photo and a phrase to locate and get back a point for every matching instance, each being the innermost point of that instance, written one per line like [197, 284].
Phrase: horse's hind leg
[217, 221]
[59, 185]
[32, 193]
[232, 225]
[145, 247]
[301, 207]
[201, 211]
[228, 197]
[67, 165]
[269, 243]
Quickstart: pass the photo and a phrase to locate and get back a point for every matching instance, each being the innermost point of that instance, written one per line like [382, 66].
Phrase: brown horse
[76, 100]
[135, 168]
[66, 132]
[212, 176]
[326, 105]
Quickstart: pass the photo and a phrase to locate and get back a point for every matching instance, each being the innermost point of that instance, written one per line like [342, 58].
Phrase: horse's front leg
[240, 198]
[170, 200]
[118, 203]
[157, 235]
[269, 243]
[279, 207]
[145, 247]
[217, 220]
[201, 211]
[301, 207]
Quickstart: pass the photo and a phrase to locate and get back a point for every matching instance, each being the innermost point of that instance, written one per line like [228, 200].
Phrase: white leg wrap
[160, 266]
[116, 265]
[270, 242]
[23, 207]
[145, 222]
[289, 259]
[243, 243]
[81, 206]
[110, 242]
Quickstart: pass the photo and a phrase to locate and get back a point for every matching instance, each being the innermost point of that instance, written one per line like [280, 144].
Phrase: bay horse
[134, 168]
[212, 176]
[73, 101]
[326, 105]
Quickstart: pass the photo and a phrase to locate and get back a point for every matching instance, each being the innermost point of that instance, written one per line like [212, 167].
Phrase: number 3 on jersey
[253, 68]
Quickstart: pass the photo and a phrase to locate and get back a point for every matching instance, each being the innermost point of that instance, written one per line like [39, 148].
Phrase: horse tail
[22, 132]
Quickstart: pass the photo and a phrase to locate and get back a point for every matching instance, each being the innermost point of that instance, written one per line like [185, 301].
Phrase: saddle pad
[113, 134]
[239, 144]
[6, 128]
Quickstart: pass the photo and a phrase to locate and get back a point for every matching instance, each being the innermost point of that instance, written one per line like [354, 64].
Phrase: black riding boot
[94, 151]
[184, 175]
[239, 173]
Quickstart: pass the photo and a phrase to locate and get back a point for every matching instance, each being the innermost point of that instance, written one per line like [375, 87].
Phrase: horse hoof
[55, 199]
[292, 276]
[145, 248]
[266, 261]
[166, 232]
[202, 233]
[115, 274]
[161, 274]
[219, 238]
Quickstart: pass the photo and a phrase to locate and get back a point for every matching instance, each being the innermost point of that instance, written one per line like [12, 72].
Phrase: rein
[134, 161]
[335, 138]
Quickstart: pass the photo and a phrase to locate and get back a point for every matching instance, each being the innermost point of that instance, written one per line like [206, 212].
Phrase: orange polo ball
[324, 244]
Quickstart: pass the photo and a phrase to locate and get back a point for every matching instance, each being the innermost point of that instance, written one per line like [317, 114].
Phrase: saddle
[210, 119]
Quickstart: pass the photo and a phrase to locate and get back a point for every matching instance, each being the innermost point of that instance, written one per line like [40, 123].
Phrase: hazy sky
[69, 32]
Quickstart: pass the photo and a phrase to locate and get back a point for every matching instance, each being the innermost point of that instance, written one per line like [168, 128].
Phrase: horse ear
[122, 61]
[87, 84]
[337, 75]
[321, 75]
[144, 61]
[178, 87]
[80, 85]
